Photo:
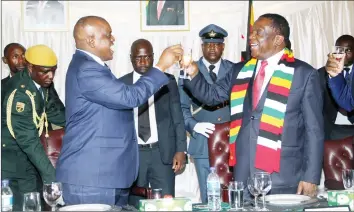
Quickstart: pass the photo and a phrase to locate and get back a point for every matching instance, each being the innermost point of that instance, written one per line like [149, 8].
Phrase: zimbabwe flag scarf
[272, 119]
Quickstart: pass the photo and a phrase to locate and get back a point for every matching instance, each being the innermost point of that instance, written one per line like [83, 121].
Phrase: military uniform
[195, 112]
[25, 115]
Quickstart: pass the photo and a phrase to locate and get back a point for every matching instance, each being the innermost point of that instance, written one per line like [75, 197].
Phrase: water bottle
[213, 189]
[6, 196]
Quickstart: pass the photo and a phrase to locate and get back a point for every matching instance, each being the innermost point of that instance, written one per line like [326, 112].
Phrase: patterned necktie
[347, 74]
[211, 73]
[159, 9]
[257, 84]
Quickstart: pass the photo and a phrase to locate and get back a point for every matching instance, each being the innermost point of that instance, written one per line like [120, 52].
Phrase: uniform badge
[34, 94]
[212, 34]
[20, 107]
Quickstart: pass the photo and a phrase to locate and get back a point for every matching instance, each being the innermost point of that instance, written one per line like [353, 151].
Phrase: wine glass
[338, 52]
[31, 202]
[251, 183]
[348, 178]
[51, 193]
[263, 185]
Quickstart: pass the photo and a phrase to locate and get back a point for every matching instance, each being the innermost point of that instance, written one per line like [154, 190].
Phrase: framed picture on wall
[45, 15]
[170, 15]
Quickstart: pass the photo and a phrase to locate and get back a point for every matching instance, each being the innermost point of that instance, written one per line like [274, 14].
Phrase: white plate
[287, 199]
[86, 207]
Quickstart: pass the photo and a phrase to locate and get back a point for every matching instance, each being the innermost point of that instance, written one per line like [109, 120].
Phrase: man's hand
[307, 189]
[333, 66]
[192, 69]
[204, 128]
[170, 56]
[178, 161]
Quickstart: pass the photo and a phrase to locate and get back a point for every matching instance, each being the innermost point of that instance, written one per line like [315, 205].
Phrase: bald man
[99, 158]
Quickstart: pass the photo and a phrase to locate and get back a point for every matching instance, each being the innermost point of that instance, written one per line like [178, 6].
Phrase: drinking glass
[157, 193]
[338, 52]
[51, 193]
[31, 202]
[236, 195]
[264, 184]
[348, 178]
[251, 185]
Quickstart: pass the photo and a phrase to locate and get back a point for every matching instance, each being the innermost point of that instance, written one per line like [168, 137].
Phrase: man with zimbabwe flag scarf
[276, 111]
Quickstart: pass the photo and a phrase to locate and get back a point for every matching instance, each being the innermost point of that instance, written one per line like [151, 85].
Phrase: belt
[148, 146]
[217, 107]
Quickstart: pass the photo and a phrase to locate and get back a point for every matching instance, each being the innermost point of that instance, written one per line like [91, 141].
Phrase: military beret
[41, 55]
[213, 34]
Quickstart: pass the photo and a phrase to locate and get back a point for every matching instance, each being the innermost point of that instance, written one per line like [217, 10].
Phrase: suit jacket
[330, 107]
[172, 13]
[302, 136]
[198, 145]
[99, 146]
[24, 153]
[343, 92]
[169, 119]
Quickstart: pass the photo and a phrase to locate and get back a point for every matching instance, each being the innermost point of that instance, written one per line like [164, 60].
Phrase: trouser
[202, 168]
[154, 172]
[78, 194]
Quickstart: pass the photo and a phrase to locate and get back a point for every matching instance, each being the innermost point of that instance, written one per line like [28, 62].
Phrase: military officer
[200, 121]
[30, 102]
[14, 57]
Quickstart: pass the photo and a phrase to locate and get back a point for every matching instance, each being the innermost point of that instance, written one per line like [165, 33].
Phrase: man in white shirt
[337, 121]
[159, 127]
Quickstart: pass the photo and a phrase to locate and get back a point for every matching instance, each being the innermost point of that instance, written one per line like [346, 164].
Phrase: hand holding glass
[51, 193]
[187, 56]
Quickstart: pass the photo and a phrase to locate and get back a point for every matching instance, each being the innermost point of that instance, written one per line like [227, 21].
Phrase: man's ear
[4, 60]
[279, 39]
[91, 41]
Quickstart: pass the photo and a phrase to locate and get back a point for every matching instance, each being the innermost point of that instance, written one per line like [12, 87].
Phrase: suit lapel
[164, 9]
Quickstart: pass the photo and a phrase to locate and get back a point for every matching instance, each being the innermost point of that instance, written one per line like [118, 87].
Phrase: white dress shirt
[97, 59]
[217, 65]
[152, 118]
[343, 119]
[269, 69]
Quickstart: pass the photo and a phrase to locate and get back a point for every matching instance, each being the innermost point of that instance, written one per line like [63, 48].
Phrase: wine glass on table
[251, 185]
[264, 184]
[52, 193]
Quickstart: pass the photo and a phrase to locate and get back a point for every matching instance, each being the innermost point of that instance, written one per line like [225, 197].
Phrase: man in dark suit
[276, 111]
[337, 121]
[165, 12]
[14, 57]
[342, 77]
[28, 94]
[200, 121]
[159, 126]
[99, 157]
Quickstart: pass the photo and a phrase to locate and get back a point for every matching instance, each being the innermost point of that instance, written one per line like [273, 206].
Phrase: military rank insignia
[20, 107]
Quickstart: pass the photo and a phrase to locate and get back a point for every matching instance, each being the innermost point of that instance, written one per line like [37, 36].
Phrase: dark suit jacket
[99, 146]
[343, 92]
[330, 107]
[169, 119]
[172, 13]
[302, 136]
